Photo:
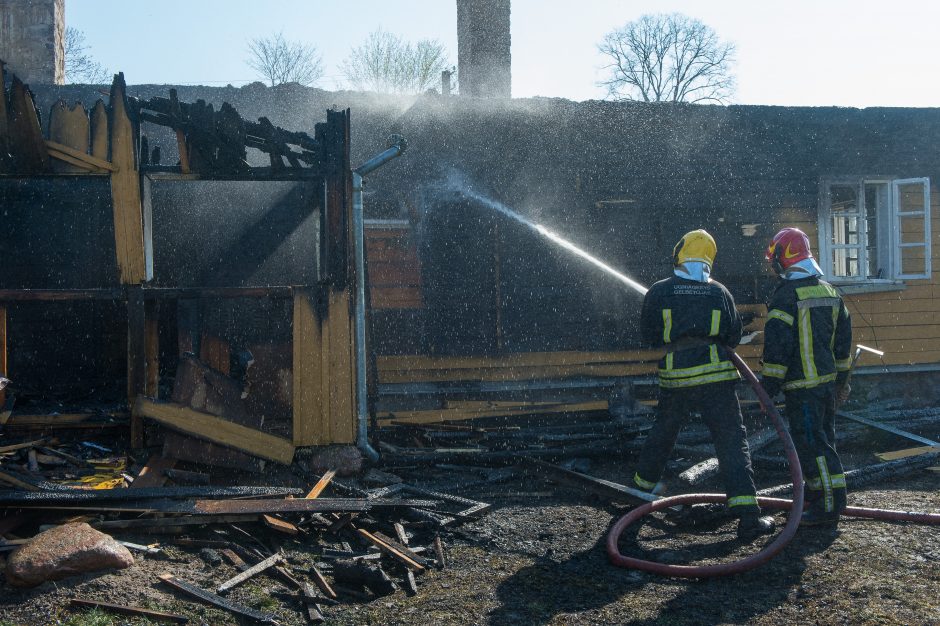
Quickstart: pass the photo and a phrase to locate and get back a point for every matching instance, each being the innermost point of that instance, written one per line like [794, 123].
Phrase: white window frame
[897, 214]
[889, 230]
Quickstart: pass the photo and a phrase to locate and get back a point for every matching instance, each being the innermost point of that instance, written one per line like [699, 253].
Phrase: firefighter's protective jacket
[807, 337]
[695, 321]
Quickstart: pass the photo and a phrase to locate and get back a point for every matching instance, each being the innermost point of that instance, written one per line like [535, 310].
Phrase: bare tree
[673, 58]
[388, 64]
[281, 61]
[80, 67]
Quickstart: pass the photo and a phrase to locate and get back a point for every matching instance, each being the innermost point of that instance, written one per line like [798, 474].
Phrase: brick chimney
[484, 63]
[32, 39]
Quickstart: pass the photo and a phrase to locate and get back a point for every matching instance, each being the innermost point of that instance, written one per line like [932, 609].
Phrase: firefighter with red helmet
[695, 318]
[807, 345]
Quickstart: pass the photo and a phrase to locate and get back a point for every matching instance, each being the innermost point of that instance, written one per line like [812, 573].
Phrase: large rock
[64, 551]
[346, 460]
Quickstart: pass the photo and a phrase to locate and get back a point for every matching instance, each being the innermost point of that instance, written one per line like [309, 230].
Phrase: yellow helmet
[696, 245]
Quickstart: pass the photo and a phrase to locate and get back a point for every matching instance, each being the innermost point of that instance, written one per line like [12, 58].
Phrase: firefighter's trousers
[812, 413]
[718, 405]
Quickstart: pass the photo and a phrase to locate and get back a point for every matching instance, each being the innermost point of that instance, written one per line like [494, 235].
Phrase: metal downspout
[396, 147]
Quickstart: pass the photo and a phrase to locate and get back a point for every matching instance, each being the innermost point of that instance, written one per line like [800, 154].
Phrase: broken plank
[309, 597]
[216, 600]
[19, 446]
[78, 164]
[411, 585]
[10, 479]
[607, 489]
[900, 454]
[236, 561]
[886, 428]
[257, 568]
[217, 430]
[321, 484]
[280, 525]
[340, 522]
[301, 505]
[321, 582]
[172, 522]
[135, 611]
[65, 495]
[87, 159]
[402, 548]
[389, 550]
[439, 551]
[153, 474]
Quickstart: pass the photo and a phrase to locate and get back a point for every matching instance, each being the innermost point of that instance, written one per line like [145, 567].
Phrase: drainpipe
[397, 145]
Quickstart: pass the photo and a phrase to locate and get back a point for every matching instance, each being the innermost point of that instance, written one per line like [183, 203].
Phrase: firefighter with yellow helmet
[695, 318]
[807, 346]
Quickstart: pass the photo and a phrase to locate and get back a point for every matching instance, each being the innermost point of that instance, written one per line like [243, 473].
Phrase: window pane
[845, 262]
[876, 197]
[845, 215]
[911, 197]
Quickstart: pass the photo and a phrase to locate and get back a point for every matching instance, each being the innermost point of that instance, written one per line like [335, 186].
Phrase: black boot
[815, 514]
[753, 526]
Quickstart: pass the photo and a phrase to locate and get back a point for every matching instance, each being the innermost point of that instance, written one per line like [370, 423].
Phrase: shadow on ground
[587, 583]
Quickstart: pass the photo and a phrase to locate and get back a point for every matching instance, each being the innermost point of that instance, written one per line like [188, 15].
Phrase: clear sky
[799, 52]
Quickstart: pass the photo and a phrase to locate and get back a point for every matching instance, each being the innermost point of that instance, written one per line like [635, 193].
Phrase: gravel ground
[538, 558]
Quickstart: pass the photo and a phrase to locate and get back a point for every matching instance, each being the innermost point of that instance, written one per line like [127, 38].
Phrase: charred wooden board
[221, 507]
[77, 496]
[216, 600]
[136, 611]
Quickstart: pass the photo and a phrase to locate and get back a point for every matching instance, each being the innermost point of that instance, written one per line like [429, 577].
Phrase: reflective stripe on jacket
[694, 321]
[808, 334]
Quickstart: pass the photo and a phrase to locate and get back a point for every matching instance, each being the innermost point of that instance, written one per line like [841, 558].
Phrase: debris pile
[70, 510]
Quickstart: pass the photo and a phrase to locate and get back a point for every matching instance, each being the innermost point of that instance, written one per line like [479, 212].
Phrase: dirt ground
[539, 558]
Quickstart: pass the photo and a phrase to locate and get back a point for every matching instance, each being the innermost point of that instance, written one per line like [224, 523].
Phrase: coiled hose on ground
[795, 507]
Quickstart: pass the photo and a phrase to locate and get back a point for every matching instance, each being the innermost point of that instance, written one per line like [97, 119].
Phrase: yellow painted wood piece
[321, 484]
[125, 191]
[907, 452]
[76, 166]
[342, 418]
[308, 377]
[217, 430]
[99, 131]
[68, 128]
[89, 160]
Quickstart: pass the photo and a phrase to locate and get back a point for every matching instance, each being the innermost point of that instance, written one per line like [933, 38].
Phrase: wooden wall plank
[307, 395]
[99, 130]
[68, 126]
[125, 190]
[26, 142]
[342, 416]
[3, 349]
[151, 348]
[136, 358]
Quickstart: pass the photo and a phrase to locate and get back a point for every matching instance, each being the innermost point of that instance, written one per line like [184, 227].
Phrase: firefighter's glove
[842, 393]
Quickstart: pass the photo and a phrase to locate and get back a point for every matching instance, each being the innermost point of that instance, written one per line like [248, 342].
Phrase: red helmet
[789, 246]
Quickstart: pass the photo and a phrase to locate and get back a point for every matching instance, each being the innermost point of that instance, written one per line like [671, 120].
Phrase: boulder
[65, 551]
[346, 460]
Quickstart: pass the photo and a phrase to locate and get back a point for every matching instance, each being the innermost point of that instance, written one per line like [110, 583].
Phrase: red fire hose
[795, 507]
